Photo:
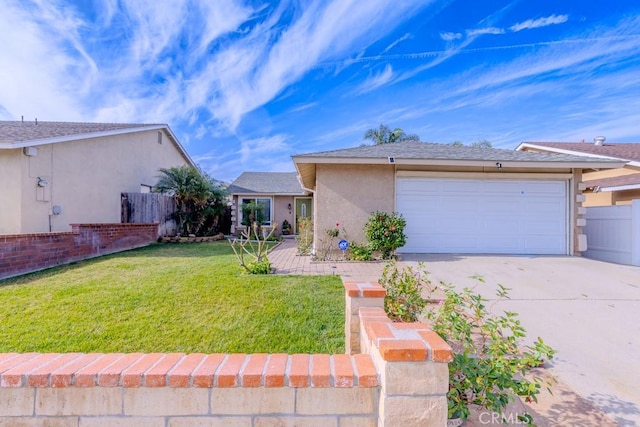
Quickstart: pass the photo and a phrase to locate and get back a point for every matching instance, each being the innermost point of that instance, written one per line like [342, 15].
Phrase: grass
[170, 298]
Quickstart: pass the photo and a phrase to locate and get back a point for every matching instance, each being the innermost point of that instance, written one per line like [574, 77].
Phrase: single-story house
[454, 199]
[604, 187]
[279, 195]
[55, 174]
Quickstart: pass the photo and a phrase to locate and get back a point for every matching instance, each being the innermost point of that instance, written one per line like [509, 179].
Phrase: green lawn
[170, 298]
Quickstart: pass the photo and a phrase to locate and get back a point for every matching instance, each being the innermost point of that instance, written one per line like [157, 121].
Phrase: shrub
[260, 267]
[385, 232]
[360, 252]
[488, 366]
[252, 248]
[327, 244]
[305, 236]
[404, 301]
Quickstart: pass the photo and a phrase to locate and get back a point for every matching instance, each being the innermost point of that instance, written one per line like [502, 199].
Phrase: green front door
[304, 209]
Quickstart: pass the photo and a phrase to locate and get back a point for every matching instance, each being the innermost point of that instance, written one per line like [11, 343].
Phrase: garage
[471, 216]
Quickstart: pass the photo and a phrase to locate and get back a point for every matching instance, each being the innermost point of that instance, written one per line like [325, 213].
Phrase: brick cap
[179, 370]
[403, 342]
[364, 290]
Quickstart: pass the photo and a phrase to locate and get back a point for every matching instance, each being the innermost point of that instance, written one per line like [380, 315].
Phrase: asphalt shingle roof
[426, 150]
[624, 151]
[18, 131]
[267, 183]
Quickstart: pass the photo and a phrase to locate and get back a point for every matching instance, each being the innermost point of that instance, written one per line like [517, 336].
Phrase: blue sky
[246, 84]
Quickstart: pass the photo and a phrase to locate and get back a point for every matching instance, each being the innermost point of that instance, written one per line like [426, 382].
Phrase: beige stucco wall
[608, 198]
[348, 194]
[86, 178]
[281, 211]
[10, 197]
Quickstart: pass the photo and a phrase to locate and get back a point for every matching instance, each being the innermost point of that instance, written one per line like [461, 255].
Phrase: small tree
[199, 198]
[385, 232]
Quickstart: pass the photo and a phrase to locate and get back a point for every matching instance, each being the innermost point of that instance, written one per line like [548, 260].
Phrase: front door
[304, 209]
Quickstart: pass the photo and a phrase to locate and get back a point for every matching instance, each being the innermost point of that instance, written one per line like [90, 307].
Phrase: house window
[145, 188]
[256, 209]
[159, 137]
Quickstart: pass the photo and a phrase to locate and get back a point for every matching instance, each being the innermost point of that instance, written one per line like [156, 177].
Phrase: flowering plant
[334, 232]
[385, 232]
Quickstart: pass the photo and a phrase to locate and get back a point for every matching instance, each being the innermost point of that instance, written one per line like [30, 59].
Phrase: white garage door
[483, 216]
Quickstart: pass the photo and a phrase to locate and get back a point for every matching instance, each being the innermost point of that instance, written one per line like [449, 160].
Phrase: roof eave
[91, 135]
[524, 145]
[621, 187]
[299, 160]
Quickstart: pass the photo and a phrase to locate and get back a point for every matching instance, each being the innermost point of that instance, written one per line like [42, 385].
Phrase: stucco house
[603, 187]
[278, 193]
[454, 199]
[55, 174]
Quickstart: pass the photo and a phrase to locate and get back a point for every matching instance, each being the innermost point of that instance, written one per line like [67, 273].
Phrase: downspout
[313, 248]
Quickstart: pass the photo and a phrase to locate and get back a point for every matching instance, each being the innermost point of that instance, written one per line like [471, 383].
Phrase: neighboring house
[604, 188]
[454, 199]
[55, 174]
[278, 193]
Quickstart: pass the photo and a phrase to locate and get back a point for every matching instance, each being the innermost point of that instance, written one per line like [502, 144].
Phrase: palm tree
[197, 196]
[384, 135]
[482, 143]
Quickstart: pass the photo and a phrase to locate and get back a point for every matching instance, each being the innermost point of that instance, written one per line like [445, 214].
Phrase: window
[159, 137]
[255, 209]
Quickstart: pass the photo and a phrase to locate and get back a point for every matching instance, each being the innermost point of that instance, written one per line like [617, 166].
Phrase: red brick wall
[24, 253]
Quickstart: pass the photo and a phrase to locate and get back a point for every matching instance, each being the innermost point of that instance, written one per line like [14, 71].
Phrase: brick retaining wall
[399, 379]
[25, 253]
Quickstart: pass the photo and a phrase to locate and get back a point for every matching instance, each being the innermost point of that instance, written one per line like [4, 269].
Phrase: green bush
[488, 366]
[360, 252]
[385, 232]
[260, 267]
[404, 301]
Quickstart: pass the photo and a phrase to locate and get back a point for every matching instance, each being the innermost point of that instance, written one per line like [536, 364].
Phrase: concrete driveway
[589, 311]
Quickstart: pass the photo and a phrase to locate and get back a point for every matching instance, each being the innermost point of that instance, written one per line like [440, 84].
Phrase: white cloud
[486, 30]
[396, 42]
[260, 147]
[450, 36]
[34, 34]
[375, 81]
[540, 22]
[323, 31]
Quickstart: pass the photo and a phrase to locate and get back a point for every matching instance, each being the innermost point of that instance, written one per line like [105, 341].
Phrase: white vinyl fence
[613, 233]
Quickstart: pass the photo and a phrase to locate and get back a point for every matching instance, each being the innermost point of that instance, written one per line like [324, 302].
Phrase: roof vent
[599, 140]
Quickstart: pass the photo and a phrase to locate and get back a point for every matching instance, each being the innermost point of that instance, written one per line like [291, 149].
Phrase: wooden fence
[145, 208]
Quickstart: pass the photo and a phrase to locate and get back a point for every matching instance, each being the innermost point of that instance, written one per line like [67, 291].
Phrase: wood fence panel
[145, 208]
